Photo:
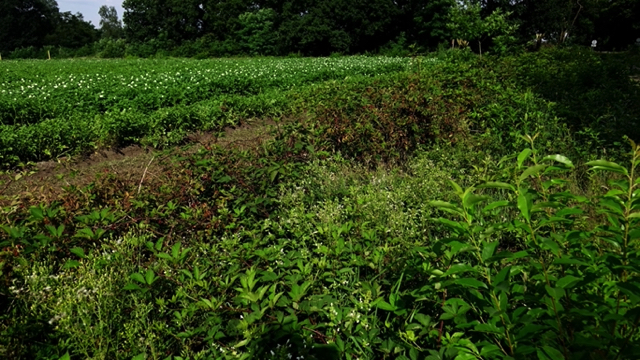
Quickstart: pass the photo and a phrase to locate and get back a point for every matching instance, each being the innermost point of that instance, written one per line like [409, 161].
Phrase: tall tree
[26, 23]
[110, 25]
[71, 31]
[174, 20]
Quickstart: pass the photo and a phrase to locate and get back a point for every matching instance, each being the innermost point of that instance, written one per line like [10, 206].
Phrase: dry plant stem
[144, 174]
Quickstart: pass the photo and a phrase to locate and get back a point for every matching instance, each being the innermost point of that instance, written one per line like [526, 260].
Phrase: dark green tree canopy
[26, 23]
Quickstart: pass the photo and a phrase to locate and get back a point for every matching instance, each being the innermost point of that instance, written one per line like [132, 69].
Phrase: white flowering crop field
[49, 108]
[31, 91]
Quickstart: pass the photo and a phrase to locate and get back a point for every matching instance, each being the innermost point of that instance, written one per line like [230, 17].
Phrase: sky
[89, 8]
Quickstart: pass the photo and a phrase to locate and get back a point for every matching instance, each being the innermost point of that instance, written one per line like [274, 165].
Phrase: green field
[48, 108]
[429, 208]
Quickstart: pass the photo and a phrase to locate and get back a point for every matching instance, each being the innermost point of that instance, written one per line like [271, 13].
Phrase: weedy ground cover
[448, 212]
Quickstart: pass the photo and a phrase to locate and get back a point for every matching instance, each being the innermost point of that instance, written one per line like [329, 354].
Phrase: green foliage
[593, 93]
[334, 237]
[465, 22]
[530, 272]
[258, 32]
[48, 109]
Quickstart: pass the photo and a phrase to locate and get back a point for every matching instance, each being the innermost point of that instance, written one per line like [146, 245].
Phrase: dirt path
[130, 164]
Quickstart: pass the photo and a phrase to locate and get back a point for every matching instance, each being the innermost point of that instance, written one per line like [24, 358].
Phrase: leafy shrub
[388, 117]
[110, 49]
[593, 93]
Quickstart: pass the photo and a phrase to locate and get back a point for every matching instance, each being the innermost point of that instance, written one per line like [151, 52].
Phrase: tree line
[316, 27]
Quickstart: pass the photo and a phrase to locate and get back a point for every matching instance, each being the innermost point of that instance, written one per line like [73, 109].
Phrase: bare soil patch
[130, 164]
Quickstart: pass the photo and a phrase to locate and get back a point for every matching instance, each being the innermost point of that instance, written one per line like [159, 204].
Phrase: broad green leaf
[495, 205]
[523, 205]
[424, 320]
[132, 287]
[386, 306]
[465, 356]
[458, 268]
[454, 225]
[443, 205]
[569, 211]
[552, 246]
[65, 357]
[471, 199]
[524, 154]
[456, 187]
[532, 170]
[138, 277]
[150, 277]
[490, 351]
[71, 264]
[139, 357]
[502, 275]
[555, 293]
[175, 250]
[496, 185]
[489, 249]
[561, 159]
[567, 281]
[634, 215]
[607, 166]
[541, 355]
[488, 328]
[165, 256]
[470, 282]
[37, 213]
[553, 353]
[78, 252]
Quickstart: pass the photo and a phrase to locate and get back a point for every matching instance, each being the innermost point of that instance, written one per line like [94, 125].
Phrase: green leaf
[567, 281]
[471, 199]
[443, 205]
[139, 357]
[458, 268]
[495, 205]
[555, 293]
[175, 250]
[489, 249]
[523, 205]
[488, 328]
[607, 166]
[132, 287]
[71, 264]
[496, 185]
[523, 156]
[456, 187]
[634, 215]
[65, 357]
[150, 277]
[502, 275]
[561, 159]
[78, 252]
[453, 225]
[386, 306]
[470, 282]
[138, 277]
[531, 171]
[552, 246]
[37, 213]
[552, 353]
